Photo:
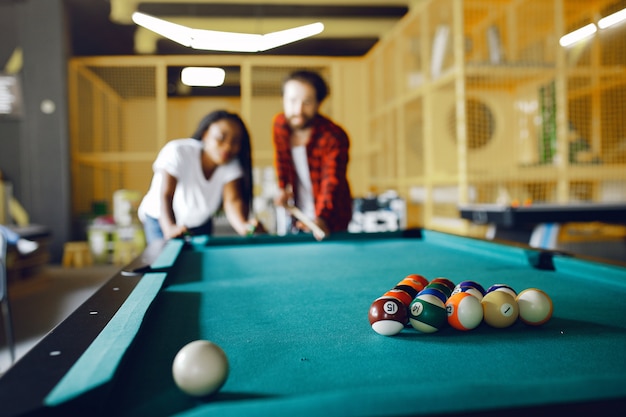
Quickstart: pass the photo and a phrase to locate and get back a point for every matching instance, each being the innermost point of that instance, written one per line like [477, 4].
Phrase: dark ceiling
[352, 29]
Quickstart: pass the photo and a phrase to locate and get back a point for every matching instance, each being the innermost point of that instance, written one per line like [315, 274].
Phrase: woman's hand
[255, 227]
[174, 231]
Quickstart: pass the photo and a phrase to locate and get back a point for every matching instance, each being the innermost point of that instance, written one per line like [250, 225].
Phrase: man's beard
[306, 122]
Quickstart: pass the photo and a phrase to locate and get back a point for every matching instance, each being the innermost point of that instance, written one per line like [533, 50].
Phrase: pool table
[291, 314]
[538, 224]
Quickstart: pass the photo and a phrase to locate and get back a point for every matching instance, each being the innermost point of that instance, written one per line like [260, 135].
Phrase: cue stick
[298, 214]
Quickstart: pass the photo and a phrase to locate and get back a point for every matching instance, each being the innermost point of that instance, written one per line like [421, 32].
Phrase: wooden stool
[77, 254]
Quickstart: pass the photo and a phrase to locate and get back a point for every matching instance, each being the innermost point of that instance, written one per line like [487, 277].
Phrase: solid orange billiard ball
[416, 285]
[419, 278]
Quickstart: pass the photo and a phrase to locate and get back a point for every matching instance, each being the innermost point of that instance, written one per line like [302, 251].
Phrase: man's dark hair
[312, 78]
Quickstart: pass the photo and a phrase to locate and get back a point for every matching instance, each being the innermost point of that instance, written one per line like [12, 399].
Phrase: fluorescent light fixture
[177, 33]
[225, 41]
[275, 39]
[202, 76]
[578, 35]
[612, 19]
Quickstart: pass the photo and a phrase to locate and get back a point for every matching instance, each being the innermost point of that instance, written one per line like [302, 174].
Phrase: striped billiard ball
[427, 313]
[435, 292]
[470, 284]
[388, 316]
[441, 287]
[465, 312]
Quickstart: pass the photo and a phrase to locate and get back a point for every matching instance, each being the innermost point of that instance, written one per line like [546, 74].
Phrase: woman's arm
[237, 212]
[167, 219]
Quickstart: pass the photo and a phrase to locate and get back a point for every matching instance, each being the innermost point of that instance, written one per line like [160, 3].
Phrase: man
[311, 156]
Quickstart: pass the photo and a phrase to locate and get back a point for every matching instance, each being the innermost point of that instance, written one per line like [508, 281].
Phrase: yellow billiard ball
[200, 368]
[499, 309]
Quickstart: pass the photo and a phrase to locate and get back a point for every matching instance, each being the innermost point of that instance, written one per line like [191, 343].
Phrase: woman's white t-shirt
[196, 199]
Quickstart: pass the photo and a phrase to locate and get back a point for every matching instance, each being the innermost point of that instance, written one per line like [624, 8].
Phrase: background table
[538, 224]
[291, 314]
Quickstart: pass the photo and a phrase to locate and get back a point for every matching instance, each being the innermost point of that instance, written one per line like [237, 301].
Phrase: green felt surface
[292, 318]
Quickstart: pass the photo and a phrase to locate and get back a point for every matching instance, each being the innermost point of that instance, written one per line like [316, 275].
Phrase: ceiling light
[612, 19]
[578, 35]
[225, 41]
[177, 33]
[202, 76]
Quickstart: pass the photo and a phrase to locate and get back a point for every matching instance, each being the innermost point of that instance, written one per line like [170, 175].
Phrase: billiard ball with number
[200, 368]
[499, 309]
[388, 316]
[465, 312]
[535, 306]
[427, 313]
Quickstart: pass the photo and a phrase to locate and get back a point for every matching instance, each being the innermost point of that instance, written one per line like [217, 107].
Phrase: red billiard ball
[388, 316]
[465, 312]
[427, 313]
[499, 309]
[535, 306]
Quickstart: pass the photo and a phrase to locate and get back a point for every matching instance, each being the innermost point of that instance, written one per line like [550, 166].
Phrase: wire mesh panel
[113, 112]
[506, 113]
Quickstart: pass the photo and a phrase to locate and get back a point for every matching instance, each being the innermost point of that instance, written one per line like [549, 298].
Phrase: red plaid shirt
[327, 156]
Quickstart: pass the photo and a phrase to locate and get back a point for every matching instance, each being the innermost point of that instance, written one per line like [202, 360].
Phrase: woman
[195, 177]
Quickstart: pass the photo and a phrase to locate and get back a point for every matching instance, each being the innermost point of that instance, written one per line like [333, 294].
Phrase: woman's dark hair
[245, 154]
[312, 78]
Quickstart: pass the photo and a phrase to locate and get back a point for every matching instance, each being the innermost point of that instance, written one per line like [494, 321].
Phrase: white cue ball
[535, 306]
[200, 368]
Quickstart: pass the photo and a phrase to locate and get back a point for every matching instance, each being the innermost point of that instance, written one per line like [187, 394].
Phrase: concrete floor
[42, 300]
